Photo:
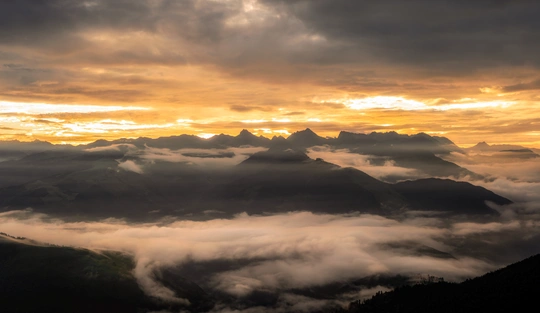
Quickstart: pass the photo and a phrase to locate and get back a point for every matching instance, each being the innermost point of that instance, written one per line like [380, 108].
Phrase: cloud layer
[290, 63]
[289, 251]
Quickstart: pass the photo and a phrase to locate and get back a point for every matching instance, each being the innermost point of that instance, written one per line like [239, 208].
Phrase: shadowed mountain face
[273, 175]
[290, 180]
[12, 150]
[42, 278]
[98, 185]
[91, 184]
[511, 289]
[436, 194]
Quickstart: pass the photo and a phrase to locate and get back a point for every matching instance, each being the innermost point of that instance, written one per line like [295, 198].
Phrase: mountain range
[138, 178]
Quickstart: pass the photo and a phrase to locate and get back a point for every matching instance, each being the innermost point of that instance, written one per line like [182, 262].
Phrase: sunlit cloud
[399, 103]
[281, 120]
[111, 125]
[45, 108]
[184, 121]
[254, 121]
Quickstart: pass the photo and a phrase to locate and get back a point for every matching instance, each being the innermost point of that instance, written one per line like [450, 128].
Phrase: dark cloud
[339, 43]
[459, 35]
[456, 35]
[32, 22]
[294, 113]
[246, 108]
[534, 85]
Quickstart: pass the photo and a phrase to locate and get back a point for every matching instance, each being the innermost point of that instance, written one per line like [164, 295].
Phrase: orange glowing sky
[76, 71]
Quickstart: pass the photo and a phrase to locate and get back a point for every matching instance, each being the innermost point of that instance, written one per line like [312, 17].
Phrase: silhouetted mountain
[483, 146]
[280, 143]
[432, 165]
[511, 289]
[416, 151]
[277, 156]
[92, 185]
[245, 138]
[79, 184]
[14, 149]
[41, 164]
[411, 151]
[290, 180]
[503, 151]
[43, 278]
[448, 195]
[391, 142]
[348, 138]
[305, 138]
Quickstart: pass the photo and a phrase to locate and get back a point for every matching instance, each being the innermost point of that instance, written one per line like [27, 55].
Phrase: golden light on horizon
[8, 107]
[75, 124]
[258, 66]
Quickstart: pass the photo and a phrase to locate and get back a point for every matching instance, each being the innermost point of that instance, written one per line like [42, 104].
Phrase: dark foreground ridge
[37, 277]
[514, 288]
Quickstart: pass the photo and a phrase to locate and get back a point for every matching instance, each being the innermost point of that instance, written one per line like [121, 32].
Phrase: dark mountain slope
[447, 195]
[14, 149]
[514, 288]
[289, 180]
[101, 189]
[41, 164]
[277, 180]
[44, 278]
[418, 151]
[92, 185]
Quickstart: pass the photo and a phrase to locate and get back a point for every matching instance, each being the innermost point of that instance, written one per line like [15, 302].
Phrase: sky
[77, 71]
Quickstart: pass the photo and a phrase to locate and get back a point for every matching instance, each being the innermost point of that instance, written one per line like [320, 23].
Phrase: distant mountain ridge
[418, 151]
[303, 138]
[523, 151]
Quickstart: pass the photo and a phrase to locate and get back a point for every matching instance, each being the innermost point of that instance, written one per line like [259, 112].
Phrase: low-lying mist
[279, 253]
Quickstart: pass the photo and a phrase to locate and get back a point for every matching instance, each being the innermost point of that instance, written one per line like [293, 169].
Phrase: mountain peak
[306, 133]
[245, 133]
[482, 144]
[247, 138]
[306, 138]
